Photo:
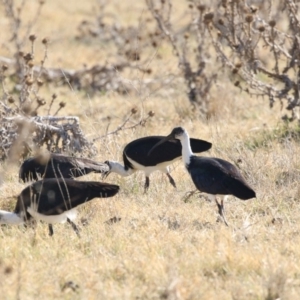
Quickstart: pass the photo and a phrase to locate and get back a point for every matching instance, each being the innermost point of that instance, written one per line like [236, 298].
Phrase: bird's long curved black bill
[105, 174]
[167, 138]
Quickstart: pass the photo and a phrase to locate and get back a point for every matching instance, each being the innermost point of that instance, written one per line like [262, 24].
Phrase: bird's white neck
[119, 169]
[7, 217]
[186, 148]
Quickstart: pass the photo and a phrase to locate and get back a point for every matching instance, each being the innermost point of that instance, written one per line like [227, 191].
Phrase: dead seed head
[45, 41]
[54, 96]
[221, 22]
[154, 44]
[32, 37]
[134, 110]
[30, 64]
[208, 17]
[238, 65]
[4, 68]
[151, 113]
[40, 82]
[28, 56]
[62, 104]
[29, 81]
[261, 28]
[201, 7]
[149, 71]
[42, 2]
[40, 101]
[21, 53]
[253, 9]
[235, 70]
[249, 18]
[237, 83]
[11, 99]
[27, 109]
[272, 23]
[163, 1]
[191, 6]
[186, 35]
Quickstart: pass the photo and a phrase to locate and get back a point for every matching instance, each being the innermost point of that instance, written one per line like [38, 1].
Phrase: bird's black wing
[138, 150]
[199, 146]
[216, 176]
[235, 181]
[54, 196]
[71, 166]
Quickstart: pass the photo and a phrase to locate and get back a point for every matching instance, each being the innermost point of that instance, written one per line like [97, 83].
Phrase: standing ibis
[213, 176]
[53, 165]
[136, 158]
[54, 200]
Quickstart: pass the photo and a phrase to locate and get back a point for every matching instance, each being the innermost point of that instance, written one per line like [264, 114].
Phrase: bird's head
[177, 133]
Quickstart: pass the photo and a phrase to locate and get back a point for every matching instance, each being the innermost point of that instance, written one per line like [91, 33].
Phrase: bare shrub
[190, 45]
[21, 126]
[259, 44]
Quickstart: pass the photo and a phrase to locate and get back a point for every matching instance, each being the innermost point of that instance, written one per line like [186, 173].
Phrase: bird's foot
[221, 211]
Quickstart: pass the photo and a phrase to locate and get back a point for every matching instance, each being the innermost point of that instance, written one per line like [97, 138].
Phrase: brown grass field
[163, 248]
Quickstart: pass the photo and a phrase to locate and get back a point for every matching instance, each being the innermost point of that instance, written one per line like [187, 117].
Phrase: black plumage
[210, 175]
[51, 200]
[138, 150]
[57, 165]
[218, 177]
[135, 156]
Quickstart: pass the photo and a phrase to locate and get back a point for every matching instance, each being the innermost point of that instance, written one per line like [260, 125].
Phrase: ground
[163, 247]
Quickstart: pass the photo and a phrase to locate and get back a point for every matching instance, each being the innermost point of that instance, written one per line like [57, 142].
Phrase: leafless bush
[21, 127]
[101, 77]
[191, 46]
[133, 47]
[259, 42]
[19, 28]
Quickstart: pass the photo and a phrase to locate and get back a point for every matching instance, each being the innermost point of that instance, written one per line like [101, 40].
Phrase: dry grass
[162, 248]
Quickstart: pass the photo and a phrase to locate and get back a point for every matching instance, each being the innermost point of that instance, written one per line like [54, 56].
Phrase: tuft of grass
[281, 134]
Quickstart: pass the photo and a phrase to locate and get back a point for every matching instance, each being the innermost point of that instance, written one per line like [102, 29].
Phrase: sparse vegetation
[154, 245]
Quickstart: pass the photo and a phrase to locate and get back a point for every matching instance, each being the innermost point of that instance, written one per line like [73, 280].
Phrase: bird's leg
[172, 181]
[51, 232]
[221, 209]
[74, 226]
[147, 183]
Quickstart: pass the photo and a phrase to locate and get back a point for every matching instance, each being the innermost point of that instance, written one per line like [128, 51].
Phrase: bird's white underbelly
[62, 218]
[163, 167]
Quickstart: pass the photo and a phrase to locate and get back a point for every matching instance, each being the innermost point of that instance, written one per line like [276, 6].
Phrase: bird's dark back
[54, 196]
[138, 150]
[59, 166]
[31, 169]
[219, 177]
